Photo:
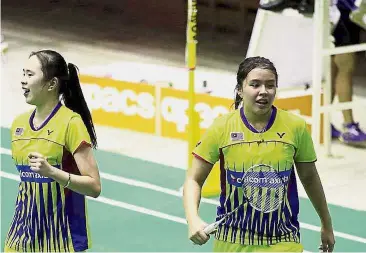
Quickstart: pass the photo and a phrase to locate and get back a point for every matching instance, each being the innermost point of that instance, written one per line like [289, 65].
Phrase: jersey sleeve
[305, 148]
[208, 147]
[77, 134]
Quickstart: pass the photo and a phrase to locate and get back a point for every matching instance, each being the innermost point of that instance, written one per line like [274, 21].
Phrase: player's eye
[254, 84]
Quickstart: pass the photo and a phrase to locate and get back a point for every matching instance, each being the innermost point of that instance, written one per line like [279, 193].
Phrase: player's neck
[43, 111]
[258, 121]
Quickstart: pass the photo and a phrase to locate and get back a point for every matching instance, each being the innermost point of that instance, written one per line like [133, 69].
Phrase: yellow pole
[212, 184]
[193, 121]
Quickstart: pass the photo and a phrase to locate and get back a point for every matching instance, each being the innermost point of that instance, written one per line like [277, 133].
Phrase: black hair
[245, 67]
[54, 65]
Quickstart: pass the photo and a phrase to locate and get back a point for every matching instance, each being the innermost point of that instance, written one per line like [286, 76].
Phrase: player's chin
[29, 100]
[261, 109]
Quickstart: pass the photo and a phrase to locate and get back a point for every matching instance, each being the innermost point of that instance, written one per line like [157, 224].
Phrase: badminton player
[52, 150]
[256, 135]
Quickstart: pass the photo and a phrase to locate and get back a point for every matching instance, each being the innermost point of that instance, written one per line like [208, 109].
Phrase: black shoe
[306, 7]
[272, 5]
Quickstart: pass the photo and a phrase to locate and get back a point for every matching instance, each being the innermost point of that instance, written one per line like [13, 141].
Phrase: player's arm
[305, 158]
[88, 183]
[78, 143]
[195, 178]
[309, 178]
[206, 154]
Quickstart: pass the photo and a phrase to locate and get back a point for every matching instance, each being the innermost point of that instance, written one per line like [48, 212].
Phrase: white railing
[322, 52]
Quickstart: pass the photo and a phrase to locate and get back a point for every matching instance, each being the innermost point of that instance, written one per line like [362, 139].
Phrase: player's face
[33, 84]
[259, 90]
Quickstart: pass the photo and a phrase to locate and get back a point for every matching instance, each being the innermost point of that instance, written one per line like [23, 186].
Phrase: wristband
[68, 181]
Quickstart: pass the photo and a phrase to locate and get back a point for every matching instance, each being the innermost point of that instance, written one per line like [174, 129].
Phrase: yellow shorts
[221, 246]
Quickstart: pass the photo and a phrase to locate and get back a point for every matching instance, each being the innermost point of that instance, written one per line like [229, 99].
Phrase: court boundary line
[157, 188]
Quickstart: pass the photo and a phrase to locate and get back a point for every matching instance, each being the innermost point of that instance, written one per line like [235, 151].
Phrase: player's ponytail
[74, 100]
[54, 66]
[237, 101]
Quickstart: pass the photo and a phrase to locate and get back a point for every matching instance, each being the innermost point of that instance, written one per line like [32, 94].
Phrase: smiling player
[52, 150]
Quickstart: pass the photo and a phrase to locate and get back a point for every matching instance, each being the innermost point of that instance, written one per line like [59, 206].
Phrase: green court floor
[140, 209]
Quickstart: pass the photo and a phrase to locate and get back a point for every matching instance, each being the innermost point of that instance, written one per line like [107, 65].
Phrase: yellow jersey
[238, 146]
[47, 216]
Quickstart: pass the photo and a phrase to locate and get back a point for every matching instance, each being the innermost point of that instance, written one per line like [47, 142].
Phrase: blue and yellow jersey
[238, 146]
[47, 216]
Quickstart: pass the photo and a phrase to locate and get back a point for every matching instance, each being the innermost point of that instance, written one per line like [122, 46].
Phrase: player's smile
[262, 103]
[26, 91]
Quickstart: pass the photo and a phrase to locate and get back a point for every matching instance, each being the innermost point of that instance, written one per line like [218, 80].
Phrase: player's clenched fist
[195, 231]
[38, 163]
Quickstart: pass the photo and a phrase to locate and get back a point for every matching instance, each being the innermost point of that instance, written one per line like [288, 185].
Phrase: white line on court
[153, 187]
[5, 151]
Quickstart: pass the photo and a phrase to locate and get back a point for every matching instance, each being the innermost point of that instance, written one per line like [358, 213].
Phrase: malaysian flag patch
[236, 136]
[19, 131]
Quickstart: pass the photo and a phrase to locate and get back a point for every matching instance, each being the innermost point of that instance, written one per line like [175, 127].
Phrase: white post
[317, 70]
[256, 31]
[342, 106]
[323, 50]
[327, 91]
[345, 49]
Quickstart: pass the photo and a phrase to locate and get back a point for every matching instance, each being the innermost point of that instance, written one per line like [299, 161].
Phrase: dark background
[154, 27]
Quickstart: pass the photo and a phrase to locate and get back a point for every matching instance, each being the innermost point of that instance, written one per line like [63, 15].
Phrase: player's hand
[195, 231]
[327, 239]
[38, 163]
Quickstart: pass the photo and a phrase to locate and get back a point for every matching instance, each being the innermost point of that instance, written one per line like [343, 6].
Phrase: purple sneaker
[335, 132]
[353, 135]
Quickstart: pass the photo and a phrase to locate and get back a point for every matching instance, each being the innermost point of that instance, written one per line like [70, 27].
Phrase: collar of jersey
[251, 128]
[58, 106]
